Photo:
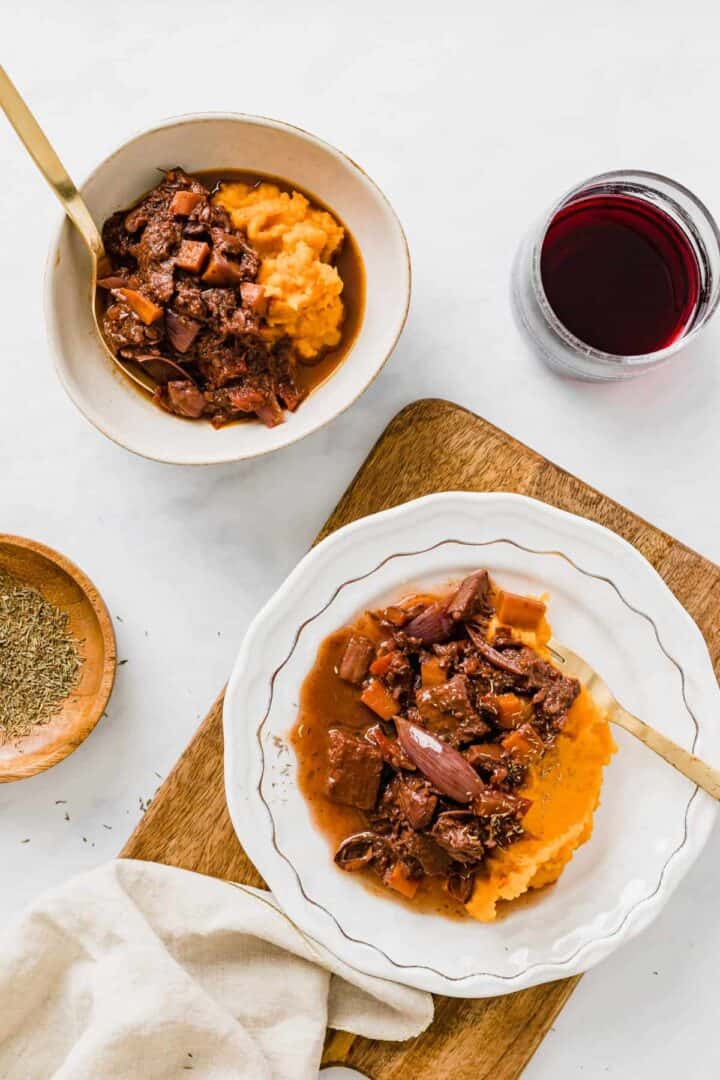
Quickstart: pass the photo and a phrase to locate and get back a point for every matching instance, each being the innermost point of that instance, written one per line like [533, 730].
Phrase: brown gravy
[326, 701]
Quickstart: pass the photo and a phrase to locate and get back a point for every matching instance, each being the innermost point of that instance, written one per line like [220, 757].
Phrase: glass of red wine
[621, 274]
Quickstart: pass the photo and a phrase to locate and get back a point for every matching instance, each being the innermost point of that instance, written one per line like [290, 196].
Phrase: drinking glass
[562, 349]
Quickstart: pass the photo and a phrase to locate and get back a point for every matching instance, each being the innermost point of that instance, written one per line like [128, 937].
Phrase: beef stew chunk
[354, 769]
[456, 714]
[356, 659]
[183, 301]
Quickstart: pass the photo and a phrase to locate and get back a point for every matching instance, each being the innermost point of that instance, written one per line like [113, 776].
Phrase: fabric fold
[141, 970]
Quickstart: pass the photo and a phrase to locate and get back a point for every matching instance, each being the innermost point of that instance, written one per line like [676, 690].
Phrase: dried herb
[39, 659]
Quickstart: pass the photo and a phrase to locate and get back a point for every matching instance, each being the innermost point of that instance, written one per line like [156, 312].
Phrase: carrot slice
[144, 309]
[184, 202]
[399, 880]
[432, 672]
[512, 710]
[192, 255]
[378, 698]
[394, 615]
[523, 743]
[525, 612]
[221, 271]
[382, 664]
[516, 743]
[253, 297]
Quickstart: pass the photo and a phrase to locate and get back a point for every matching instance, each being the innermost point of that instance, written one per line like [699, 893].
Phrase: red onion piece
[358, 850]
[432, 625]
[442, 764]
[160, 368]
[185, 399]
[181, 331]
[493, 656]
[113, 281]
[471, 596]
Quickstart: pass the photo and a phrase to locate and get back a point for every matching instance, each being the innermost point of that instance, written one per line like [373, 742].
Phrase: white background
[471, 124]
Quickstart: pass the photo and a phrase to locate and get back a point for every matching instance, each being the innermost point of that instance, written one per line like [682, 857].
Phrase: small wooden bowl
[65, 586]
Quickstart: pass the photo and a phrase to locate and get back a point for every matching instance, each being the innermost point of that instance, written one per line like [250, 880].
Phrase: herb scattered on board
[39, 660]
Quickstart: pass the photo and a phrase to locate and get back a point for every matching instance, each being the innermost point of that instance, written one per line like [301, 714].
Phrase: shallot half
[442, 764]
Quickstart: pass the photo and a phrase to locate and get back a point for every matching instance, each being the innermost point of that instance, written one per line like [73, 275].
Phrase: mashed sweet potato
[296, 243]
[564, 787]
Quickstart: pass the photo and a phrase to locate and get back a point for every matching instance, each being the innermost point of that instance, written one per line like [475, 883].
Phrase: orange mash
[564, 787]
[297, 243]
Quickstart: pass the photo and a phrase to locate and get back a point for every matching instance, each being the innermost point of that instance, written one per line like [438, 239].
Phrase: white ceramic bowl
[607, 603]
[223, 141]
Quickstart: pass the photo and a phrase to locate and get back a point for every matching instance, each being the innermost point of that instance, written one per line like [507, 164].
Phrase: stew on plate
[418, 728]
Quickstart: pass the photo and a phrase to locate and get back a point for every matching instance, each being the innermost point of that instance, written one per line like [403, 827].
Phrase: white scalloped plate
[609, 605]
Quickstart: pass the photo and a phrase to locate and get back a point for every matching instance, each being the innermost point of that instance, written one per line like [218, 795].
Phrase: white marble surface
[471, 123]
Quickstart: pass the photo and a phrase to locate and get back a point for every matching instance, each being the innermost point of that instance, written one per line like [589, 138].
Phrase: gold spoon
[49, 164]
[696, 770]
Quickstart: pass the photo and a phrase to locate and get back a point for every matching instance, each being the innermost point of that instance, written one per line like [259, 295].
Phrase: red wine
[620, 274]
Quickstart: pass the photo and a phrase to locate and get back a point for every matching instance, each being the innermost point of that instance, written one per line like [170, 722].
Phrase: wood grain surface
[66, 587]
[430, 446]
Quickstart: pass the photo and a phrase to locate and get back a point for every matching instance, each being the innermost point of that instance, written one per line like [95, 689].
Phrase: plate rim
[699, 814]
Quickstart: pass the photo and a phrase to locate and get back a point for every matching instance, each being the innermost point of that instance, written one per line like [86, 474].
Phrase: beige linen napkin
[137, 971]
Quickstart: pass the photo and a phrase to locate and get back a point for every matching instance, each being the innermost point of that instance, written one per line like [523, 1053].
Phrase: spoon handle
[681, 759]
[49, 164]
[702, 774]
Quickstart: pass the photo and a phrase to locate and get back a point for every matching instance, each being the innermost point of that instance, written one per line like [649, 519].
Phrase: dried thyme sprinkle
[39, 660]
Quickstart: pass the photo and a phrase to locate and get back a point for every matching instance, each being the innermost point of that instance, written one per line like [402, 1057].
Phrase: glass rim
[556, 324]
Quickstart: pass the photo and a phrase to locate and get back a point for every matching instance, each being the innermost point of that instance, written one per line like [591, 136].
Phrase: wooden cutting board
[430, 446]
